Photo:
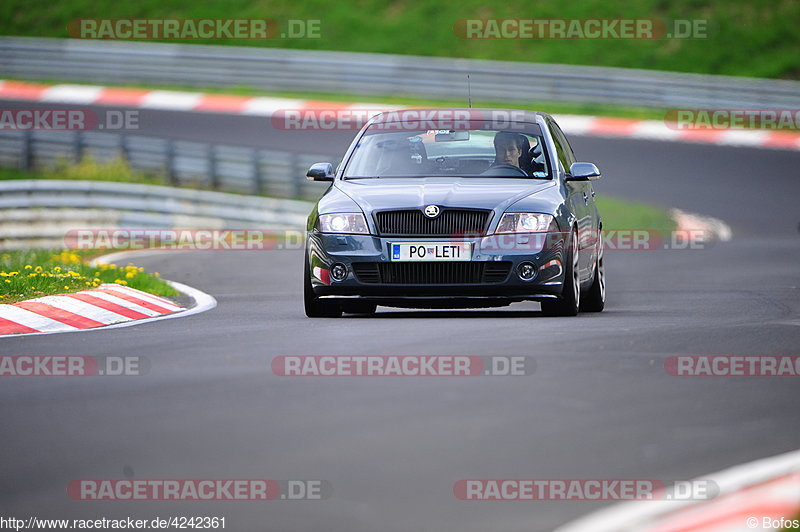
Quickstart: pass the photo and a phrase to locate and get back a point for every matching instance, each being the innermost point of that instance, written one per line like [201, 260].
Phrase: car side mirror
[320, 172]
[583, 172]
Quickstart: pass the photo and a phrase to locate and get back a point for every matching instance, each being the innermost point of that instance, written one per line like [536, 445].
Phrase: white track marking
[85, 94]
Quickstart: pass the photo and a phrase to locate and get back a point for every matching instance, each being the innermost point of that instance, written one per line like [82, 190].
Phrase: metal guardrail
[40, 212]
[273, 69]
[181, 163]
[47, 193]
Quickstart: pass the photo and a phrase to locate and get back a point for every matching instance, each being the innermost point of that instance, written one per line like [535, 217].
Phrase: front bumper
[428, 283]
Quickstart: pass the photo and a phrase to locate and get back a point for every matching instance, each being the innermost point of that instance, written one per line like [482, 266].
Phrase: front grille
[432, 272]
[449, 222]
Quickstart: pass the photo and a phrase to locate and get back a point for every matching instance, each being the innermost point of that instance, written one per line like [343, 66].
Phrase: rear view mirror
[445, 135]
[320, 172]
[583, 172]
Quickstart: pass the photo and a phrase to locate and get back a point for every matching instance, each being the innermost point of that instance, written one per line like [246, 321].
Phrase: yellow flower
[57, 269]
[28, 266]
[8, 281]
[38, 269]
[130, 275]
[120, 281]
[66, 287]
[157, 274]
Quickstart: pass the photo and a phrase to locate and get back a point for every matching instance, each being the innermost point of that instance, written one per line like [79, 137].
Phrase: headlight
[525, 222]
[344, 222]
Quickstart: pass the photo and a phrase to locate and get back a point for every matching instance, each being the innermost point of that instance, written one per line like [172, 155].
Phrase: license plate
[431, 251]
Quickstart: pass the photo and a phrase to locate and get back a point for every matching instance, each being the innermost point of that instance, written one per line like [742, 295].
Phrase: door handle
[585, 198]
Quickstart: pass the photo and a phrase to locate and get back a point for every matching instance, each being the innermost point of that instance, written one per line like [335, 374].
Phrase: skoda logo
[431, 211]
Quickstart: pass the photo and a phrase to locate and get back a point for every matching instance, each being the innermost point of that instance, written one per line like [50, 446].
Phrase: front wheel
[568, 302]
[595, 298]
[314, 306]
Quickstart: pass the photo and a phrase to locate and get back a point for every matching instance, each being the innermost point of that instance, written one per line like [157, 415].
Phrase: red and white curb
[689, 225]
[266, 106]
[107, 304]
[752, 497]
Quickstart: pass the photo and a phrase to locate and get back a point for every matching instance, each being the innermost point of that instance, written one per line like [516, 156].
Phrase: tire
[314, 306]
[595, 298]
[568, 303]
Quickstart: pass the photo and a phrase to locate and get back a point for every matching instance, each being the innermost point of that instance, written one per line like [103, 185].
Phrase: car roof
[524, 115]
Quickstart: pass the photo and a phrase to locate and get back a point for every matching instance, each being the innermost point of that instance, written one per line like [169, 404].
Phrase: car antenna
[469, 93]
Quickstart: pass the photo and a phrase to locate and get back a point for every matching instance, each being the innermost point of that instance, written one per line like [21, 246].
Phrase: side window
[565, 143]
[558, 140]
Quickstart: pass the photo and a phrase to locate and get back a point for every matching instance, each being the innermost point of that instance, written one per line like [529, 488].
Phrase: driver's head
[508, 147]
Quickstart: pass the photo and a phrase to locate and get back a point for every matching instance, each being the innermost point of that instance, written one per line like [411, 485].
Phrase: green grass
[26, 274]
[88, 169]
[748, 37]
[619, 214]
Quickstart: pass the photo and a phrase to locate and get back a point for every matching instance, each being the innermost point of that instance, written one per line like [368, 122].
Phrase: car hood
[476, 193]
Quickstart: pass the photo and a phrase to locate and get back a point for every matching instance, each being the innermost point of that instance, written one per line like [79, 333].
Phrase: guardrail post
[258, 185]
[212, 167]
[77, 147]
[26, 153]
[294, 174]
[123, 149]
[169, 162]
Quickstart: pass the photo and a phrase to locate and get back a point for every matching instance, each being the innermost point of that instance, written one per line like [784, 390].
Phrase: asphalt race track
[599, 405]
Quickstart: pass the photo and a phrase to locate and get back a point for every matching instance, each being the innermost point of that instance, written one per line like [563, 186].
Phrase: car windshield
[515, 151]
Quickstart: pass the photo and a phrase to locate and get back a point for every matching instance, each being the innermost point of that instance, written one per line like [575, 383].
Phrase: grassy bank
[746, 37]
[26, 274]
[88, 169]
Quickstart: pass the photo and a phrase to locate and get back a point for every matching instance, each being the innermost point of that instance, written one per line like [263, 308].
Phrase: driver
[509, 149]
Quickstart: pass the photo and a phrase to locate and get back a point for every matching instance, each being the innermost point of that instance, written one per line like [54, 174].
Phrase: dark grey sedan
[455, 208]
